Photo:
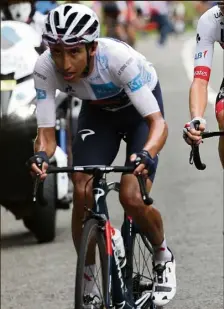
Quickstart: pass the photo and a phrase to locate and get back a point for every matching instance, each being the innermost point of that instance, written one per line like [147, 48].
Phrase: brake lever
[142, 184]
[38, 188]
[195, 154]
[37, 182]
[35, 188]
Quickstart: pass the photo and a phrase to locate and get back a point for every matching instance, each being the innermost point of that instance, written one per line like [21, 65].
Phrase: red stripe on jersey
[202, 72]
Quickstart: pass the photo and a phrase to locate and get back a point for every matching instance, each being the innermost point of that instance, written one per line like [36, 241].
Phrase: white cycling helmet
[71, 24]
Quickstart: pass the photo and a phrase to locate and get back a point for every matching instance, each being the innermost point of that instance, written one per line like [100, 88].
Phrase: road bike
[119, 287]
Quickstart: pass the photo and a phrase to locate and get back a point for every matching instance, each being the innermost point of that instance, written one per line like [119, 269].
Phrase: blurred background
[125, 20]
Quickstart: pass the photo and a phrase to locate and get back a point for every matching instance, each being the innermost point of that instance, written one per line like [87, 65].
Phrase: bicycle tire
[130, 259]
[91, 228]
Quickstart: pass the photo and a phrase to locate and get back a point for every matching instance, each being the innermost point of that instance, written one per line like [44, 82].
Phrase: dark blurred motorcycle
[18, 129]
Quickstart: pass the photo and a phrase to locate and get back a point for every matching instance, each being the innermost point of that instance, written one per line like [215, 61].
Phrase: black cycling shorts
[219, 106]
[100, 132]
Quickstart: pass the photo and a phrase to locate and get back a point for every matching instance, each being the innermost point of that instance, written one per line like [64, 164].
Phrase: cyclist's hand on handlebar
[193, 129]
[38, 164]
[35, 170]
[143, 162]
[140, 169]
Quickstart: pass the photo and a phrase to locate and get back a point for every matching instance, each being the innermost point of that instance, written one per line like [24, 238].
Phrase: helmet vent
[70, 19]
[67, 8]
[56, 18]
[83, 21]
[93, 27]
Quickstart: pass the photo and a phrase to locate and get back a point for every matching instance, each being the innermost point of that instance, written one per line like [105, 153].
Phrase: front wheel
[42, 221]
[139, 270]
[94, 289]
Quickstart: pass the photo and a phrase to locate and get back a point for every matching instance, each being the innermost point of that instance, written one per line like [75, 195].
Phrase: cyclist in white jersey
[210, 29]
[121, 97]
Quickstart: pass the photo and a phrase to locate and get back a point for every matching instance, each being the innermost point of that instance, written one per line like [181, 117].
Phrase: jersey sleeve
[45, 92]
[135, 79]
[204, 47]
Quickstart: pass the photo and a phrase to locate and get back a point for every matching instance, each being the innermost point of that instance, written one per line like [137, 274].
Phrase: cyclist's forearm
[157, 137]
[45, 141]
[198, 99]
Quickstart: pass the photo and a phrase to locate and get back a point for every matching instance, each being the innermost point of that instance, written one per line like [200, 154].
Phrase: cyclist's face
[69, 61]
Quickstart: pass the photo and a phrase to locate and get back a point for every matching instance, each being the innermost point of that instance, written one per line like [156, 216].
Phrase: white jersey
[210, 29]
[118, 68]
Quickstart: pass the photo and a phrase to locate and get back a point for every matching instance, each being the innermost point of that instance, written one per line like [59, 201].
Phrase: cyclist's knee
[130, 196]
[130, 200]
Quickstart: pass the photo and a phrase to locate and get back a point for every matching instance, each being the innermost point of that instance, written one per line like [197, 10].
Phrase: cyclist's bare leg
[82, 194]
[220, 119]
[150, 222]
[148, 218]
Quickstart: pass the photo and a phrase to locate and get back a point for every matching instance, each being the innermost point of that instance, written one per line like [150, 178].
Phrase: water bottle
[119, 246]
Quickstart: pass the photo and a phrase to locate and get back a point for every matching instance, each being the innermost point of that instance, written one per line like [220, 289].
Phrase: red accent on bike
[108, 230]
[130, 218]
[87, 277]
[219, 106]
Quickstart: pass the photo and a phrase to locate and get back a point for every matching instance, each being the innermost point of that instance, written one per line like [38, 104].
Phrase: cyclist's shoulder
[45, 62]
[116, 51]
[211, 17]
[44, 68]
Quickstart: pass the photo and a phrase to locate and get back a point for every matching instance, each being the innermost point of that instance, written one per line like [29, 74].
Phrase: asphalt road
[191, 202]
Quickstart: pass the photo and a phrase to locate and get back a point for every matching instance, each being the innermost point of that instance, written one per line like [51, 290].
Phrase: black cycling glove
[145, 158]
[38, 158]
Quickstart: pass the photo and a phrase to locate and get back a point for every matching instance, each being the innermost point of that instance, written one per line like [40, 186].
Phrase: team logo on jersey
[103, 61]
[200, 55]
[86, 132]
[41, 94]
[39, 75]
[124, 66]
[202, 72]
[105, 90]
[198, 39]
[95, 77]
[136, 83]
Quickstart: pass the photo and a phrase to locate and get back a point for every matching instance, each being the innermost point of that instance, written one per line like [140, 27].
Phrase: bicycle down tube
[121, 294]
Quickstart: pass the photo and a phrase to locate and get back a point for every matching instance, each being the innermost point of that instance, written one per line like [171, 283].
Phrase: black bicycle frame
[121, 294]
